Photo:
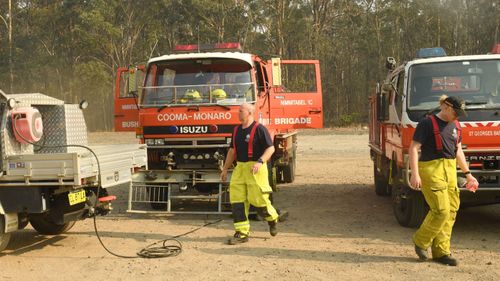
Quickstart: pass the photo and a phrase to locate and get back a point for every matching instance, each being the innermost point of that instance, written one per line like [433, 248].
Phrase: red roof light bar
[495, 49]
[183, 48]
[228, 46]
[208, 47]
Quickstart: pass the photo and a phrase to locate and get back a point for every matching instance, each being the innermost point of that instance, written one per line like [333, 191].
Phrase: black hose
[150, 251]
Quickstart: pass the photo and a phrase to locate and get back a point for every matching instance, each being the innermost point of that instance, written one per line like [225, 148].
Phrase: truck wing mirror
[382, 106]
[390, 63]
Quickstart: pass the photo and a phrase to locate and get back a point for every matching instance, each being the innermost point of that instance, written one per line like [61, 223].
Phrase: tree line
[70, 49]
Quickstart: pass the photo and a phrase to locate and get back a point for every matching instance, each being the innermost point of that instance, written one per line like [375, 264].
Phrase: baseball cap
[457, 104]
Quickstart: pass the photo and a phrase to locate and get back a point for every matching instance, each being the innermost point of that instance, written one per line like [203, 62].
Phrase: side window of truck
[298, 78]
[261, 80]
[124, 88]
[398, 99]
[130, 82]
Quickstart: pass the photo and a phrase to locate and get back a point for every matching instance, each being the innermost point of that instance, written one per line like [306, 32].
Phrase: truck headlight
[159, 141]
[150, 141]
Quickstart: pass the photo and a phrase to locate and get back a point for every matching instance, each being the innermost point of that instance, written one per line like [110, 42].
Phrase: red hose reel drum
[27, 124]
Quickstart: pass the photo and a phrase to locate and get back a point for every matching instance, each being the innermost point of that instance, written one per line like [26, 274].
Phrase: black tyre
[4, 237]
[288, 173]
[289, 170]
[279, 174]
[409, 206]
[272, 176]
[23, 220]
[381, 178]
[43, 224]
[158, 197]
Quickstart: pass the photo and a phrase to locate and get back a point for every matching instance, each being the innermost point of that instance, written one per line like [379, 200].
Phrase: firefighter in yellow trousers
[252, 147]
[435, 174]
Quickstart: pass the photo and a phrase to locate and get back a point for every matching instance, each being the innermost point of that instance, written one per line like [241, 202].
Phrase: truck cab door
[295, 96]
[126, 112]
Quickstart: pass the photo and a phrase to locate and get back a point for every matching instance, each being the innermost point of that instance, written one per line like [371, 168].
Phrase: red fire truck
[409, 93]
[187, 107]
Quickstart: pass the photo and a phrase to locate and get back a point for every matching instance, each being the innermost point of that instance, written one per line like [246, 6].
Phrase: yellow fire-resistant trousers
[439, 186]
[246, 188]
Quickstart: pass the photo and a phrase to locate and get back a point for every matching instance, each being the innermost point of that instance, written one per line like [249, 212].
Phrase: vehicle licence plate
[77, 197]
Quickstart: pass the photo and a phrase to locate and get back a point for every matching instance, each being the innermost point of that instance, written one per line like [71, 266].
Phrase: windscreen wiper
[194, 105]
[223, 106]
[166, 105]
[430, 111]
[162, 107]
[475, 102]
[485, 105]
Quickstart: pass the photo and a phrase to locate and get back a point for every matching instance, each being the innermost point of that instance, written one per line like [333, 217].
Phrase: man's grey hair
[250, 107]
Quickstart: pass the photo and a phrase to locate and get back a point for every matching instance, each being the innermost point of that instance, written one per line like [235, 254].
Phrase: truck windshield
[475, 81]
[198, 81]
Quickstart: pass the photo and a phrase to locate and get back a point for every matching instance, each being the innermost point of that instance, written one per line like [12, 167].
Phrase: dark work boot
[447, 260]
[273, 230]
[283, 215]
[238, 238]
[421, 253]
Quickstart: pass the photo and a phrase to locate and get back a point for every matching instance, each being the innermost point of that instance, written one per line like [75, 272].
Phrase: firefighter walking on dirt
[435, 174]
[252, 147]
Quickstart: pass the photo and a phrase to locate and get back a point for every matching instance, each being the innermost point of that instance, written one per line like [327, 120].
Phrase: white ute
[49, 177]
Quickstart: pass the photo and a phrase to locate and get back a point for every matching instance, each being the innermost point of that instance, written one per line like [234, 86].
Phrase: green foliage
[70, 49]
[349, 119]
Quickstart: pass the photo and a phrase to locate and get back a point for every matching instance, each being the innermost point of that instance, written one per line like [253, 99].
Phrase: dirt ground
[338, 229]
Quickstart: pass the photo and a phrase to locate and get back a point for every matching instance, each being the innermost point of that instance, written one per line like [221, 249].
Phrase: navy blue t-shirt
[261, 141]
[424, 134]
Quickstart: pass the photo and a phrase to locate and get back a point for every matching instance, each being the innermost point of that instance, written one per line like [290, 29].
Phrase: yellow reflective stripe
[242, 223]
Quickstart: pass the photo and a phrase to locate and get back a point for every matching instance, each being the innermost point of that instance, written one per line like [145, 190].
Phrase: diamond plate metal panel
[62, 125]
[53, 128]
[34, 99]
[10, 146]
[76, 128]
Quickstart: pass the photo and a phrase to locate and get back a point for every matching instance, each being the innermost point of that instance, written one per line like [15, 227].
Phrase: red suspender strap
[234, 139]
[459, 130]
[250, 141]
[437, 135]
